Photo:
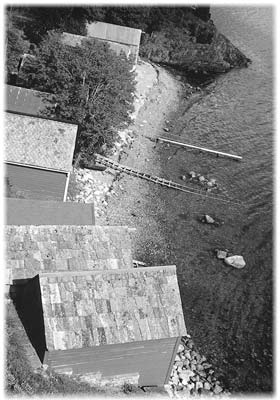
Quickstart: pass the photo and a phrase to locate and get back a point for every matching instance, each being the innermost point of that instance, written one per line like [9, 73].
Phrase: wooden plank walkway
[161, 181]
[179, 142]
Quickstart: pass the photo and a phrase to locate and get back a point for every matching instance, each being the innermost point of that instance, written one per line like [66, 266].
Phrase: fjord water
[229, 311]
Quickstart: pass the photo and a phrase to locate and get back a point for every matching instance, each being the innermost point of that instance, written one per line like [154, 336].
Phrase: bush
[92, 86]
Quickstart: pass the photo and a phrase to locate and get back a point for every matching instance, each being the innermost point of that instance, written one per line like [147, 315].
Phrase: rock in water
[201, 179]
[192, 174]
[235, 261]
[221, 254]
[208, 219]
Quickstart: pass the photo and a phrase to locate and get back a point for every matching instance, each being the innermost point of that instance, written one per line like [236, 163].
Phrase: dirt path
[136, 202]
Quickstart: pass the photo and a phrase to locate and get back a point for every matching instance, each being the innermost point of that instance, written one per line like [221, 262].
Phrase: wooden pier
[179, 142]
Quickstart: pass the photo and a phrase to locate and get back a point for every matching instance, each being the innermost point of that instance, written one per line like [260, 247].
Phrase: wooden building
[109, 322]
[38, 156]
[28, 101]
[119, 38]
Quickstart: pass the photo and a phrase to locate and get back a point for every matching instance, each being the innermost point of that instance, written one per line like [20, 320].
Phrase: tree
[92, 86]
[15, 45]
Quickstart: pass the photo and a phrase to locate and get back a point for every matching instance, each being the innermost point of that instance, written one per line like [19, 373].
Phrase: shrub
[92, 86]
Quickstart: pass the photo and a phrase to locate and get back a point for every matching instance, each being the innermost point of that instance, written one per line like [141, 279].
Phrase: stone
[177, 357]
[201, 178]
[180, 348]
[217, 389]
[208, 219]
[192, 174]
[235, 261]
[185, 375]
[183, 177]
[207, 386]
[175, 379]
[221, 254]
[198, 385]
[207, 365]
[179, 364]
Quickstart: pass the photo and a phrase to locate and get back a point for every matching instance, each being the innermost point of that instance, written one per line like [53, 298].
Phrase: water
[227, 311]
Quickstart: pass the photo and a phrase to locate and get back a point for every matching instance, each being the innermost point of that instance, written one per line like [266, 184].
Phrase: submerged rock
[235, 261]
[192, 174]
[208, 220]
[221, 254]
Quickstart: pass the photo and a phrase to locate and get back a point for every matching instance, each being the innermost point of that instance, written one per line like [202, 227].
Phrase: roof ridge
[107, 271]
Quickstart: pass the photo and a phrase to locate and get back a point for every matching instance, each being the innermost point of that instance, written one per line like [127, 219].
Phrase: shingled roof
[83, 309]
[39, 142]
[27, 101]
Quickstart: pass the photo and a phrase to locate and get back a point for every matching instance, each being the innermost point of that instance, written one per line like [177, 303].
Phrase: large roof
[39, 142]
[51, 248]
[27, 101]
[84, 309]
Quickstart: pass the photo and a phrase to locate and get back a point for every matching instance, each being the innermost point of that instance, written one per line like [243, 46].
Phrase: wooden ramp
[180, 142]
[155, 179]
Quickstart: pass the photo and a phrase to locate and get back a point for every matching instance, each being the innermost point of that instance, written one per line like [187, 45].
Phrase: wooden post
[218, 153]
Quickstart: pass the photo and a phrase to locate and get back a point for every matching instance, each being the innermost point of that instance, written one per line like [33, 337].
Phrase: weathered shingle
[39, 142]
[111, 307]
[50, 248]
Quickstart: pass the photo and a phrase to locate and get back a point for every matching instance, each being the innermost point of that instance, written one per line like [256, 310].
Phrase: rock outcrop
[198, 47]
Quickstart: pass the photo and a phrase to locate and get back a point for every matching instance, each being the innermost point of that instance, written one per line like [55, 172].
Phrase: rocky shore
[192, 374]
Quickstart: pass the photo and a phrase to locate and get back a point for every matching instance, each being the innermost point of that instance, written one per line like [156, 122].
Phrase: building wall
[35, 183]
[52, 248]
[150, 359]
[35, 212]
[27, 101]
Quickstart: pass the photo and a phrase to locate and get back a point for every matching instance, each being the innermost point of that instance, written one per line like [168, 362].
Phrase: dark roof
[110, 307]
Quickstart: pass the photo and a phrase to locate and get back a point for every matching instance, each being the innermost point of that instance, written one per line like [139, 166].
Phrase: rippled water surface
[229, 311]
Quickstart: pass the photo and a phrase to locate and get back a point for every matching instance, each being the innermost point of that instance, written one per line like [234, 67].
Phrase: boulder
[235, 261]
[185, 375]
[221, 254]
[192, 174]
[217, 389]
[180, 348]
[183, 177]
[201, 179]
[208, 219]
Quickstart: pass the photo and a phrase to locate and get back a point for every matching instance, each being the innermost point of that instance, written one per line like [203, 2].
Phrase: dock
[178, 142]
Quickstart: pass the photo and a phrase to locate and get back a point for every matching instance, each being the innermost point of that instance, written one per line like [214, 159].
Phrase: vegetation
[21, 378]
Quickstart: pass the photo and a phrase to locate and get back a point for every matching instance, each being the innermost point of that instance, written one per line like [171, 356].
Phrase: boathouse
[119, 38]
[110, 322]
[38, 156]
[28, 101]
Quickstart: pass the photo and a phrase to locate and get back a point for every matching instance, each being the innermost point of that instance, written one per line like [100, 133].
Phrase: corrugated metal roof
[71, 39]
[84, 309]
[114, 33]
[39, 142]
[28, 101]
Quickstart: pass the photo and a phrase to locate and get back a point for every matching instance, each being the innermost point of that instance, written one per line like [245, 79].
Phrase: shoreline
[168, 231]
